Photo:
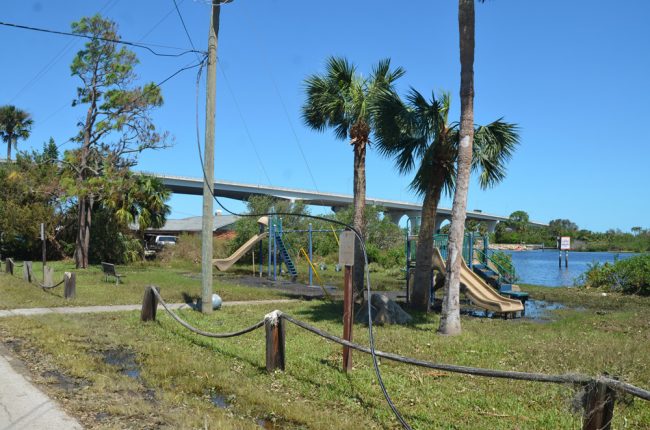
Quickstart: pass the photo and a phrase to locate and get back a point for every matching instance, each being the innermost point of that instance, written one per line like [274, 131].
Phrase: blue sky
[573, 75]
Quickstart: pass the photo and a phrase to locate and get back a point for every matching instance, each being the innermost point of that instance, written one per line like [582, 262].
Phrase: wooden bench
[109, 270]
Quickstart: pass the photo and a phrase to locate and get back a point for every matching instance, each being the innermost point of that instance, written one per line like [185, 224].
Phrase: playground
[487, 284]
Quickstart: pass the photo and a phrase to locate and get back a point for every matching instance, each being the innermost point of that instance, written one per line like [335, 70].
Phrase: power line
[180, 16]
[41, 73]
[281, 99]
[122, 42]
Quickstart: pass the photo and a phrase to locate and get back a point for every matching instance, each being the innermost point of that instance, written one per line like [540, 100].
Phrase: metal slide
[225, 263]
[479, 292]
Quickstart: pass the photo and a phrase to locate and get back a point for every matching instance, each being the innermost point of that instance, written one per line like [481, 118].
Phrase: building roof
[191, 224]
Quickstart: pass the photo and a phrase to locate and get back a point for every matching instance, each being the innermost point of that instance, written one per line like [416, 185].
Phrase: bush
[629, 276]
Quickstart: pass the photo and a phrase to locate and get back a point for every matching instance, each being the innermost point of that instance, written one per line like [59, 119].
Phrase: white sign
[42, 231]
[565, 243]
[346, 248]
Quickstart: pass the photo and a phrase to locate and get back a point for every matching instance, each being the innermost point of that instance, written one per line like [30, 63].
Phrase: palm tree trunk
[421, 294]
[450, 318]
[359, 214]
[9, 142]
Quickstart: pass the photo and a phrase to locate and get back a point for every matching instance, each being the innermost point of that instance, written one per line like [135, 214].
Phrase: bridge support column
[439, 221]
[491, 226]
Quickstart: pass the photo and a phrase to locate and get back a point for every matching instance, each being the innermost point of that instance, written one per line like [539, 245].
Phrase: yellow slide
[481, 294]
[225, 263]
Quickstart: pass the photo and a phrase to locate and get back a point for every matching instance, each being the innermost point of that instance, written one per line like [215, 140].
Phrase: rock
[216, 302]
[384, 311]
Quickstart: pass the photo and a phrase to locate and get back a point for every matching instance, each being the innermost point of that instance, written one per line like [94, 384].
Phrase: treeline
[36, 189]
[517, 230]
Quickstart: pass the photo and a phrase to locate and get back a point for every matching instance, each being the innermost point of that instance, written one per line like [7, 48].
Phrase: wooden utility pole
[208, 161]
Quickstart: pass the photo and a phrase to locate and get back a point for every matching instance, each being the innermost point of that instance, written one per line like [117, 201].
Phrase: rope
[201, 332]
[45, 287]
[625, 387]
[523, 376]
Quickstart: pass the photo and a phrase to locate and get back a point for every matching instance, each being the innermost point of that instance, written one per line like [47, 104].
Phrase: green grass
[92, 289]
[180, 370]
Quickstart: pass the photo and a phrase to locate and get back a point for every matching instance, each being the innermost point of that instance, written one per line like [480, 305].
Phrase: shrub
[630, 276]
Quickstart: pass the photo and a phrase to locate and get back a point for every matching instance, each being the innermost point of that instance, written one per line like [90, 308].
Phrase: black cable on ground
[201, 332]
[357, 234]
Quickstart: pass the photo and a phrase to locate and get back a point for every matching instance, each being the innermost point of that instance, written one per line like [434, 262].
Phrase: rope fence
[600, 392]
[69, 278]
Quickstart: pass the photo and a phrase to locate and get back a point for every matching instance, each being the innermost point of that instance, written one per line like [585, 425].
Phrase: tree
[342, 99]
[417, 133]
[14, 124]
[116, 127]
[450, 317]
[518, 221]
[30, 192]
[562, 227]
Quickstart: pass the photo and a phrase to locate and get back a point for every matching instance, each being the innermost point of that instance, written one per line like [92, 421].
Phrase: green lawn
[92, 289]
[180, 372]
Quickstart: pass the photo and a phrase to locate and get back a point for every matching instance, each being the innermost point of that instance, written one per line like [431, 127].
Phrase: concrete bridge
[394, 209]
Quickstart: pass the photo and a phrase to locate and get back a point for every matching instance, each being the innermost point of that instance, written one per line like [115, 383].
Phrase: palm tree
[144, 202]
[342, 99]
[418, 135]
[14, 124]
[450, 317]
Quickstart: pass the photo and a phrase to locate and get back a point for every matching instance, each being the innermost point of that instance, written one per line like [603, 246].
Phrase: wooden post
[348, 315]
[44, 248]
[27, 271]
[48, 276]
[275, 336]
[69, 285]
[9, 266]
[150, 304]
[599, 407]
[566, 259]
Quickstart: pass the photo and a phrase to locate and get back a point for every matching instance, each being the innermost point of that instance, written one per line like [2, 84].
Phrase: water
[541, 267]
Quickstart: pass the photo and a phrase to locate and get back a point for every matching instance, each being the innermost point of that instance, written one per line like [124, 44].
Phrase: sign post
[565, 245]
[346, 259]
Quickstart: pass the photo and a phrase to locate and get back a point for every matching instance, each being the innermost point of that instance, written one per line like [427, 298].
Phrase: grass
[179, 372]
[92, 289]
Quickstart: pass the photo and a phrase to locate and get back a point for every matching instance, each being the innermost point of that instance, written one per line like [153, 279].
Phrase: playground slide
[478, 290]
[225, 263]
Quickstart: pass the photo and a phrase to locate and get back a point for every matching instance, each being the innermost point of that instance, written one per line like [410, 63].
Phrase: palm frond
[494, 145]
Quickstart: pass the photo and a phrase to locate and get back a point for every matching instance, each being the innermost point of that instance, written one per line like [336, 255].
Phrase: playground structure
[487, 284]
[278, 252]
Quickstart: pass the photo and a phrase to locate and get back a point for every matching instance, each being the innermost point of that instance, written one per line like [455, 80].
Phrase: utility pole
[208, 161]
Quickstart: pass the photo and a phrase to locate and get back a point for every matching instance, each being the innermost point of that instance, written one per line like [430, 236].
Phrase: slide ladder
[286, 258]
[498, 277]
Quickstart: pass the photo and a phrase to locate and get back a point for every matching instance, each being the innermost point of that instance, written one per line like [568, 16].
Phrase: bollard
[275, 336]
[9, 266]
[69, 285]
[599, 407]
[48, 276]
[27, 271]
[149, 304]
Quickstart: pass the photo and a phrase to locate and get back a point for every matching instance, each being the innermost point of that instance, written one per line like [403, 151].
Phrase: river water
[541, 267]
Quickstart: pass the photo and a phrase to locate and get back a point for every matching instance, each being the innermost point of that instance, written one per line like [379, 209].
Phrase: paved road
[22, 405]
[119, 308]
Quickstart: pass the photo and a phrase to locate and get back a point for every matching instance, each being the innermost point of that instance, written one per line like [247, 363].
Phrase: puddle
[540, 309]
[124, 360]
[268, 424]
[219, 400]
[64, 382]
[536, 310]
